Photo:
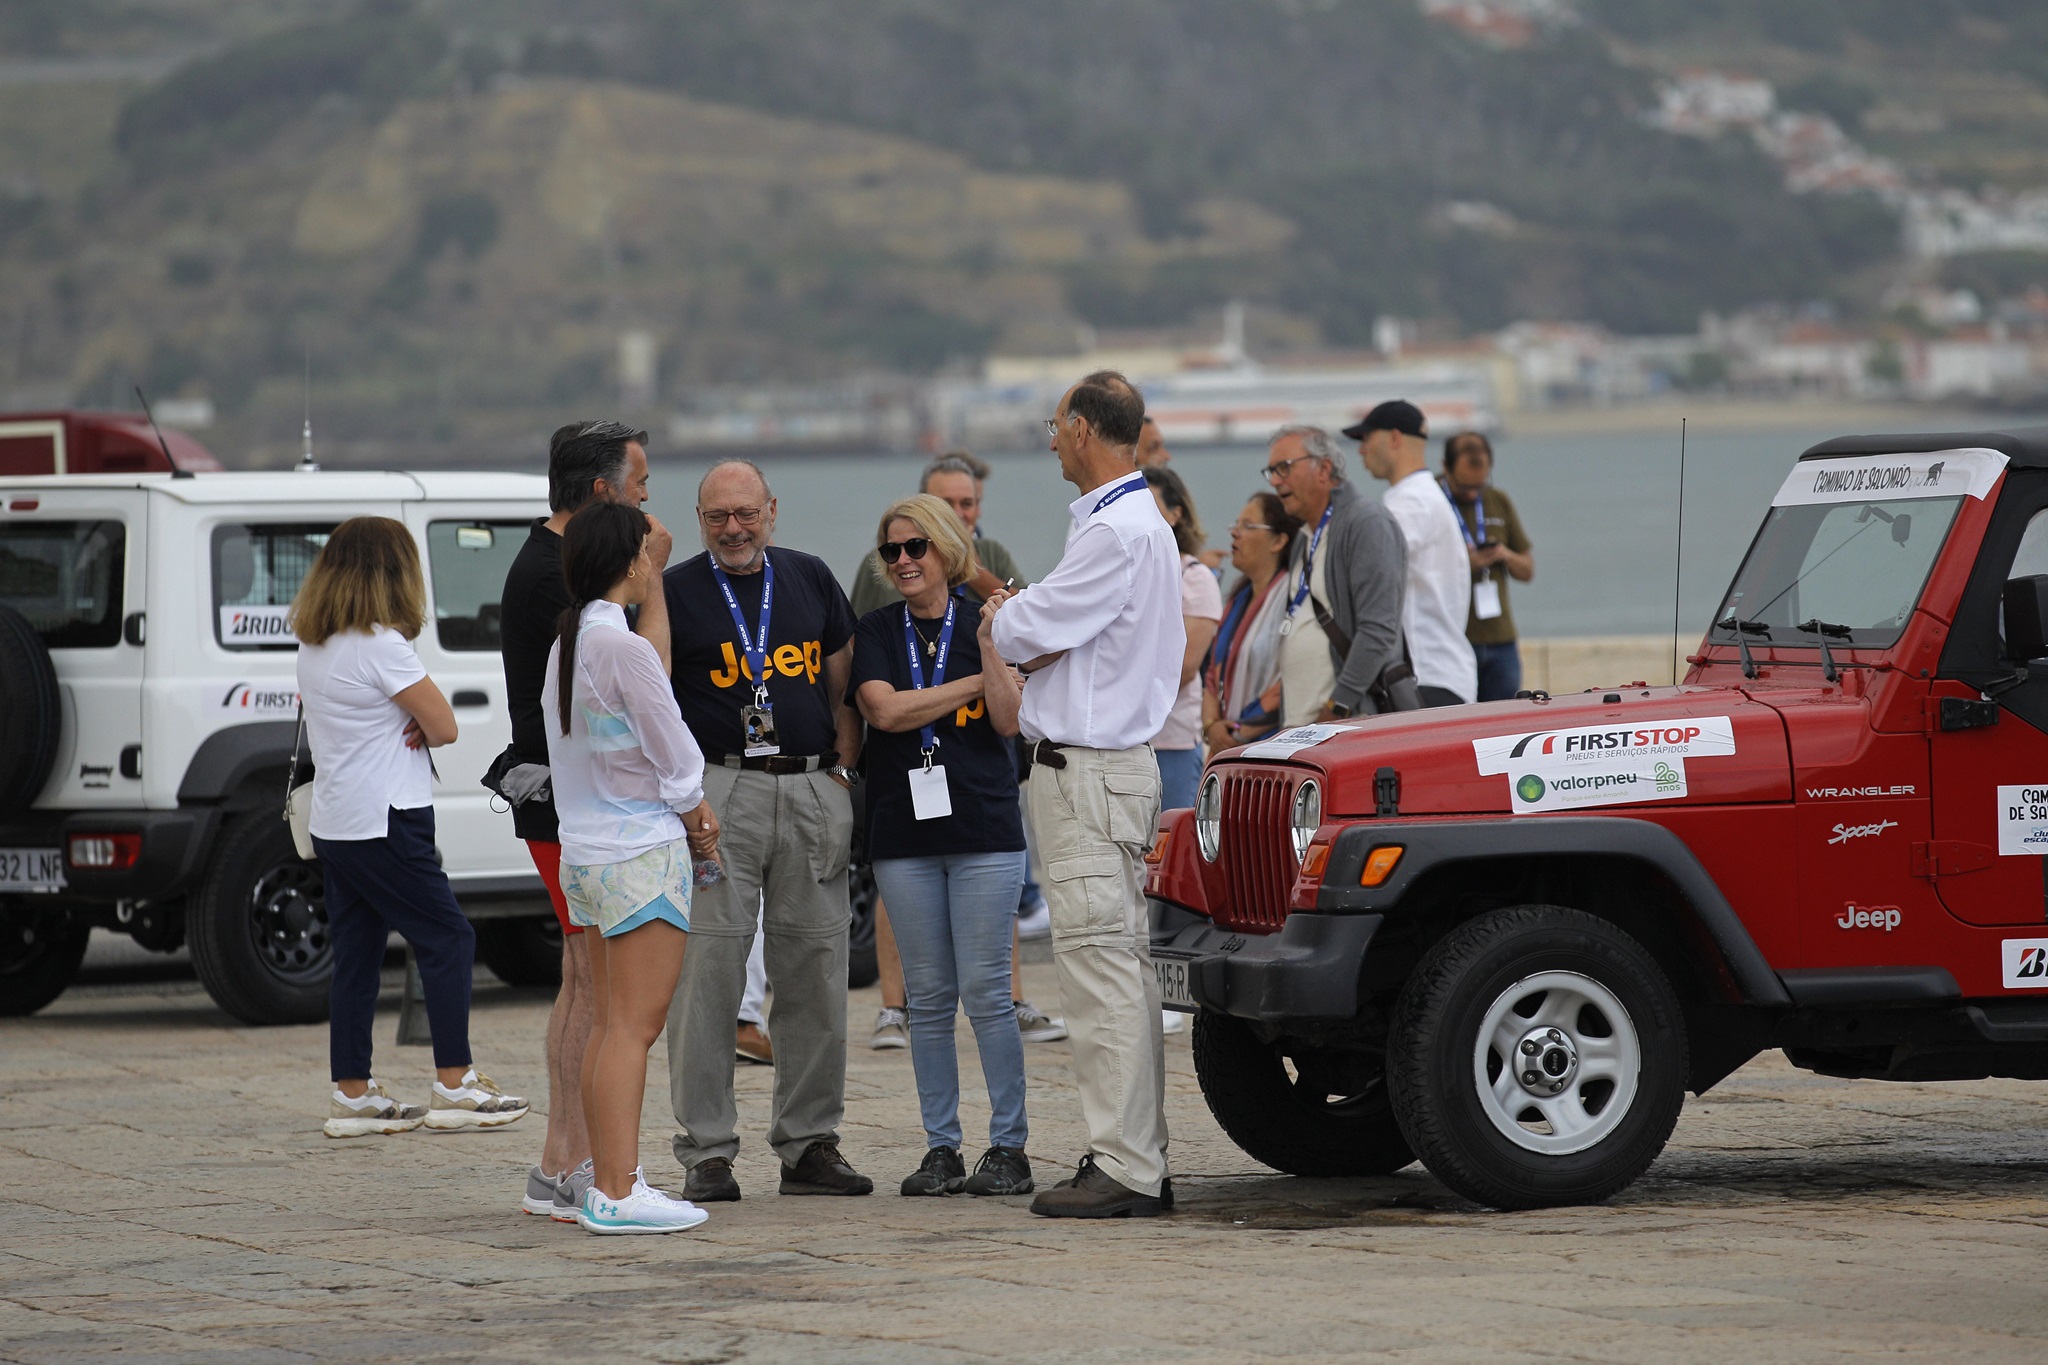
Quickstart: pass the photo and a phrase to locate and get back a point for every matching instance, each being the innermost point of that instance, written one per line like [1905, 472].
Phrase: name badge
[1486, 599]
[929, 799]
[757, 728]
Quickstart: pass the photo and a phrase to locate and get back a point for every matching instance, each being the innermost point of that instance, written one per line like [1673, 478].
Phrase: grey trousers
[1094, 819]
[784, 842]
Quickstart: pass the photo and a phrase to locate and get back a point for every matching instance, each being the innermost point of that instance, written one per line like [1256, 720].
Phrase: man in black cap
[1393, 439]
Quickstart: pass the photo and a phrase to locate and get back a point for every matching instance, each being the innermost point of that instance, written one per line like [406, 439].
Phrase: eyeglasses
[1249, 526]
[1052, 424]
[716, 517]
[1278, 469]
[892, 550]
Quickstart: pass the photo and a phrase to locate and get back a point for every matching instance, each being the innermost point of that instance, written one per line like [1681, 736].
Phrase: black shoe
[1001, 1170]
[821, 1170]
[1166, 1194]
[1094, 1193]
[710, 1182]
[941, 1173]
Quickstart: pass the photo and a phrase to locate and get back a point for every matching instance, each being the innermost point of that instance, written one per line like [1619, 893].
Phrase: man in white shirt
[1101, 639]
[1394, 441]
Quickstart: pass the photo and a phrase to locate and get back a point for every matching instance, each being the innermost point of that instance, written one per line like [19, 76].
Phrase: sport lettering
[792, 661]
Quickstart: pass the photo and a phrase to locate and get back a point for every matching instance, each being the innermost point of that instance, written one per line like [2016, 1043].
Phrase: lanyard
[1130, 485]
[927, 736]
[1458, 514]
[756, 652]
[1308, 563]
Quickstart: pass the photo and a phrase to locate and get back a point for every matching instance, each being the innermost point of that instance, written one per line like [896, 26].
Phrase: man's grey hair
[954, 462]
[1316, 443]
[727, 463]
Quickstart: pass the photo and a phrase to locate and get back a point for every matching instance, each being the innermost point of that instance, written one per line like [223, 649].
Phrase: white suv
[147, 705]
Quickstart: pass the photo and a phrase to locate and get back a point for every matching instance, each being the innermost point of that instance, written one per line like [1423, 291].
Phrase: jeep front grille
[1257, 853]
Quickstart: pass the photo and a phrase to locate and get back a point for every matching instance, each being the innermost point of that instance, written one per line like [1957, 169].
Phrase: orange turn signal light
[1156, 854]
[1312, 865]
[1380, 864]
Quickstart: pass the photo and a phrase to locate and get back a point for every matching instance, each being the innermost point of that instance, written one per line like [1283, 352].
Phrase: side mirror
[1902, 528]
[2026, 618]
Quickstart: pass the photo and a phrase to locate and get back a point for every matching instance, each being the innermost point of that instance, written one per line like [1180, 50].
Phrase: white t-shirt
[362, 768]
[1439, 587]
[1307, 677]
[1200, 599]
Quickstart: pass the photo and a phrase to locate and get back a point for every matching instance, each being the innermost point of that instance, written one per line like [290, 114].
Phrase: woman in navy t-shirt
[945, 834]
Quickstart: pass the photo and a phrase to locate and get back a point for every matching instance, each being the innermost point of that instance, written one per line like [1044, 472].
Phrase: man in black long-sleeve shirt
[587, 461]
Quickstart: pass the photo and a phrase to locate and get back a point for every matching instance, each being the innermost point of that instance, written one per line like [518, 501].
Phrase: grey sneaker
[569, 1192]
[1001, 1170]
[892, 1029]
[374, 1112]
[541, 1189]
[942, 1173]
[1037, 1027]
[476, 1103]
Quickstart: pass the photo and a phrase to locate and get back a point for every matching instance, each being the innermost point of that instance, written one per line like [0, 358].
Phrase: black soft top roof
[2026, 447]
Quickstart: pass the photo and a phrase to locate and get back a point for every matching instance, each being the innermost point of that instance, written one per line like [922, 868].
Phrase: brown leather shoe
[710, 1182]
[821, 1170]
[1094, 1193]
[750, 1044]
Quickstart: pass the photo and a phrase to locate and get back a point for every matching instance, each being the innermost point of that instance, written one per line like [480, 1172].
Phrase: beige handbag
[298, 797]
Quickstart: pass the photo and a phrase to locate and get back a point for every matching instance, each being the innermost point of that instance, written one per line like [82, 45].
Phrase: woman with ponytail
[629, 792]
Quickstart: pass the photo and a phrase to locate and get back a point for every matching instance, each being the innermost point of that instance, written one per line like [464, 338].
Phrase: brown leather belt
[779, 764]
[1046, 754]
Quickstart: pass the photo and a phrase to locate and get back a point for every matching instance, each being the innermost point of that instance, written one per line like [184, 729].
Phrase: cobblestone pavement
[165, 1194]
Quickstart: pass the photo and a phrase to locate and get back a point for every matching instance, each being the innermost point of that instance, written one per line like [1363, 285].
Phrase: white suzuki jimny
[147, 705]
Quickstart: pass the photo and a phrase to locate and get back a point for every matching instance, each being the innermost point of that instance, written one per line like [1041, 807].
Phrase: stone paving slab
[165, 1195]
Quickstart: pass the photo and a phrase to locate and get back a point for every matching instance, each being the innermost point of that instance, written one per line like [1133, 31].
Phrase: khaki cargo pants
[1094, 820]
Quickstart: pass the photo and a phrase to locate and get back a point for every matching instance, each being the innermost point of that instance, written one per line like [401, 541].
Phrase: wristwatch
[1339, 711]
[842, 772]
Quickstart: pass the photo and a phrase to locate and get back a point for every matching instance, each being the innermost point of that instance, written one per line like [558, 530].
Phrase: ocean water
[1602, 511]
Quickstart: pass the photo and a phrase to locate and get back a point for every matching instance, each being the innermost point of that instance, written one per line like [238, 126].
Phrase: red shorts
[547, 858]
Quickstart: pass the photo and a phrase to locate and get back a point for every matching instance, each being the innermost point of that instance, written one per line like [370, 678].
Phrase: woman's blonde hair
[368, 574]
[937, 522]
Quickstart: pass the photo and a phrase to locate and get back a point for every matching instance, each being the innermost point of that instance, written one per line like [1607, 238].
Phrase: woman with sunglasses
[945, 834]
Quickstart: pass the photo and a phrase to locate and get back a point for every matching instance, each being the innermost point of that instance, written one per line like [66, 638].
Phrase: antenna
[1678, 554]
[307, 463]
[162, 444]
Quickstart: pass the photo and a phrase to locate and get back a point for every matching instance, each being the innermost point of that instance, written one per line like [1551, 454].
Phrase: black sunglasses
[893, 549]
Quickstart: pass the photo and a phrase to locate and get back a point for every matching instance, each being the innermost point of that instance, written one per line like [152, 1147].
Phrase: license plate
[31, 869]
[1173, 983]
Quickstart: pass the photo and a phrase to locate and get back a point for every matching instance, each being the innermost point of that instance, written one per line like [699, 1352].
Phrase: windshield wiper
[1820, 630]
[1742, 628]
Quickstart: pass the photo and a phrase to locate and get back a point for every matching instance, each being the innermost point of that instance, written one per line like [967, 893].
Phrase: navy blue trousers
[375, 886]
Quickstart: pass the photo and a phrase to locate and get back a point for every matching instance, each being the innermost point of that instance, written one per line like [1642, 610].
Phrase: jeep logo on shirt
[791, 661]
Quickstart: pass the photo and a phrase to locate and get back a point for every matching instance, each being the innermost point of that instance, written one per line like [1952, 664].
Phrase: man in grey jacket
[1343, 586]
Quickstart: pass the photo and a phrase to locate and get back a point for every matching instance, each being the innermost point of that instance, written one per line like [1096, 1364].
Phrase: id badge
[929, 799]
[757, 729]
[1486, 599]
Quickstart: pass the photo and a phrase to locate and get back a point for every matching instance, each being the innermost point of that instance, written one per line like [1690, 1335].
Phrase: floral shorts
[614, 898]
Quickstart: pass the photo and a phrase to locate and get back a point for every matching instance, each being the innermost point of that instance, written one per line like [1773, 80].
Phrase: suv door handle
[471, 698]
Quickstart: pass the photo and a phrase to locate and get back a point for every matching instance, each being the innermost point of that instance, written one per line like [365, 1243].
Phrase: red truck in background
[72, 442]
[1505, 939]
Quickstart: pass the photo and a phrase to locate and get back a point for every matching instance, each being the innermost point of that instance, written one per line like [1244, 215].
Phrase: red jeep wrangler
[1507, 938]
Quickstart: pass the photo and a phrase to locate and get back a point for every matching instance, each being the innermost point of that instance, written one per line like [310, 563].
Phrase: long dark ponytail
[598, 546]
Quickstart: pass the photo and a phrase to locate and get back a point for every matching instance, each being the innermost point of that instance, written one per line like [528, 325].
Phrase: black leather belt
[779, 764]
[1046, 754]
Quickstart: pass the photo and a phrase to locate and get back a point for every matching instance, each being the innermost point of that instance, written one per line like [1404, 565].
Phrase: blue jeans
[1180, 777]
[1500, 671]
[953, 915]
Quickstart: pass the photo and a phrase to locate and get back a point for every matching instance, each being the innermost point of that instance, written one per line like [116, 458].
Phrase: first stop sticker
[2022, 821]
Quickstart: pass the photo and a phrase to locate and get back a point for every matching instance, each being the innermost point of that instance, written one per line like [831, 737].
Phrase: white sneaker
[476, 1103]
[373, 1112]
[1034, 1026]
[892, 1029]
[1035, 922]
[1172, 1021]
[646, 1210]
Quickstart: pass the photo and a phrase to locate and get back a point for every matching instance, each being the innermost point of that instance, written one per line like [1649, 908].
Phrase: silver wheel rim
[1556, 1063]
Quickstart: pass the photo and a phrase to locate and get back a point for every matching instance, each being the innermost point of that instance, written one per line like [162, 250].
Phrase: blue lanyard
[1458, 515]
[756, 652]
[927, 736]
[1308, 564]
[1130, 485]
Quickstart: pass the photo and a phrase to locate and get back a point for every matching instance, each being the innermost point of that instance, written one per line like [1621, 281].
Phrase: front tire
[1539, 1059]
[1302, 1110]
[40, 950]
[258, 927]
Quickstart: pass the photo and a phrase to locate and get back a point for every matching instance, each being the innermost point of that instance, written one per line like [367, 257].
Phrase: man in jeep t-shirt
[765, 647]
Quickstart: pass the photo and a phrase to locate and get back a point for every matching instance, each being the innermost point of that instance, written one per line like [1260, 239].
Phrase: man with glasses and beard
[763, 653]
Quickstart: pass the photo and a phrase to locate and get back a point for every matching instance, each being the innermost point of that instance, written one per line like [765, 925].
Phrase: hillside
[455, 207]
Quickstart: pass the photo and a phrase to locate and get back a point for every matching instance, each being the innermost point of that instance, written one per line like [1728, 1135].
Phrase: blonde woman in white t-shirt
[371, 715]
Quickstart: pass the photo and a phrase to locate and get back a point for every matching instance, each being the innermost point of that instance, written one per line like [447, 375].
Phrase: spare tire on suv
[31, 712]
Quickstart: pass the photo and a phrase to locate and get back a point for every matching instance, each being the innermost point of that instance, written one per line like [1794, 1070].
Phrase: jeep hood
[1648, 746]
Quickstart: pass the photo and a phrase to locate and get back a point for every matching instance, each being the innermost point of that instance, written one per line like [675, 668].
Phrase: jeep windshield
[1849, 571]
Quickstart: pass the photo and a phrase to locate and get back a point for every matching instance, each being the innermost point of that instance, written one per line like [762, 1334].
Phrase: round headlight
[1209, 817]
[1308, 816]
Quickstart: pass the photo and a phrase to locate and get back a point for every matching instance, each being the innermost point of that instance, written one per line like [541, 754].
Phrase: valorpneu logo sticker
[1601, 765]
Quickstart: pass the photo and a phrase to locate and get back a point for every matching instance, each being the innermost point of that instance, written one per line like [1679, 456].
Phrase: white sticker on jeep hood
[1601, 765]
[1286, 742]
[1883, 478]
